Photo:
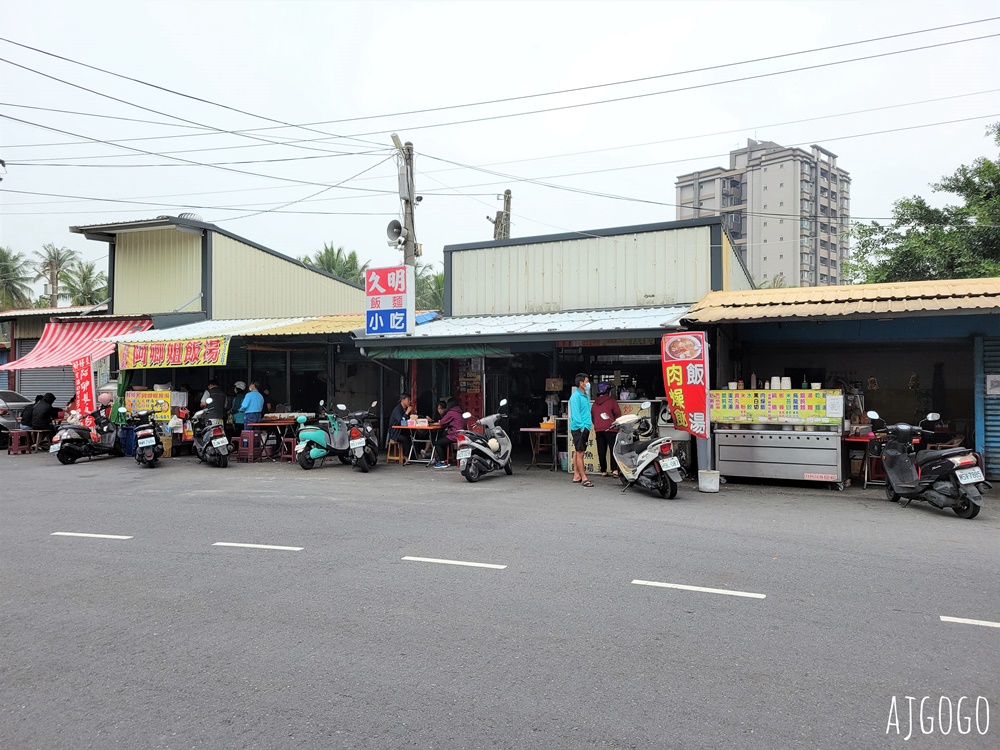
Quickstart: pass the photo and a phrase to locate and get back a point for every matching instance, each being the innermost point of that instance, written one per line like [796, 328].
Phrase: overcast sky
[309, 62]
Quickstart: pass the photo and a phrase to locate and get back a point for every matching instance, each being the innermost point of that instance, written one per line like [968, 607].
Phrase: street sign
[390, 300]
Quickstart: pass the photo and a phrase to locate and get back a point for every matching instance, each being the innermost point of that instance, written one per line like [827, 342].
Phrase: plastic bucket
[708, 481]
[564, 461]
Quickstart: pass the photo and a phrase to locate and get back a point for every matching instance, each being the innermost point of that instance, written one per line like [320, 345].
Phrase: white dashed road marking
[258, 546]
[727, 592]
[963, 621]
[455, 562]
[92, 536]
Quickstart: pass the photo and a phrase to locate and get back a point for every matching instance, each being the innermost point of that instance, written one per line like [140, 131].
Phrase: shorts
[580, 440]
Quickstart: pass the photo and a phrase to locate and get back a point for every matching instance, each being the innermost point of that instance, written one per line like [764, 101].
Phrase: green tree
[429, 293]
[775, 282]
[924, 243]
[15, 278]
[51, 263]
[339, 262]
[83, 284]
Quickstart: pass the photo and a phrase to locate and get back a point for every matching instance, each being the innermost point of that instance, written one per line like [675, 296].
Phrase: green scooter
[350, 438]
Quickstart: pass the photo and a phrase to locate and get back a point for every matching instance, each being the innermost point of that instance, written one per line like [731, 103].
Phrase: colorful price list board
[791, 407]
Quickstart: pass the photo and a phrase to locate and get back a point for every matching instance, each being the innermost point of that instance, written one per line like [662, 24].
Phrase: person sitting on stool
[450, 422]
[400, 415]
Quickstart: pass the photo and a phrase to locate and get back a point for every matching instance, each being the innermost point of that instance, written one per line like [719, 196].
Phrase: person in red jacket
[604, 411]
[450, 422]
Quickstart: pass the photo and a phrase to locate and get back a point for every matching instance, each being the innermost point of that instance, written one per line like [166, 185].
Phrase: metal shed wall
[991, 431]
[283, 288]
[156, 271]
[645, 269]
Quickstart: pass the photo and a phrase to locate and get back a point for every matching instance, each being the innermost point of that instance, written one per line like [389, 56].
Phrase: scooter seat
[923, 457]
[641, 445]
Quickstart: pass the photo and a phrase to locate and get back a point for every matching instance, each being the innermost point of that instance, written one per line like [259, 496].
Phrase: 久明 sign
[389, 300]
[685, 377]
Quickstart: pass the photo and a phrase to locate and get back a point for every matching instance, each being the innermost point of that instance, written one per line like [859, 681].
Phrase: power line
[47, 163]
[308, 126]
[538, 180]
[102, 116]
[177, 158]
[171, 91]
[692, 87]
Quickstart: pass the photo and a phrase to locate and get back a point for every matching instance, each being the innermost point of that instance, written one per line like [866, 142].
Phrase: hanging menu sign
[685, 377]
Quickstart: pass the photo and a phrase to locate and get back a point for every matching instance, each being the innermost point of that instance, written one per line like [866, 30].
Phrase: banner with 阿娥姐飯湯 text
[183, 353]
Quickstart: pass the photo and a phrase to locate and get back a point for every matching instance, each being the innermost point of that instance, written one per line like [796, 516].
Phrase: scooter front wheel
[890, 494]
[305, 461]
[508, 467]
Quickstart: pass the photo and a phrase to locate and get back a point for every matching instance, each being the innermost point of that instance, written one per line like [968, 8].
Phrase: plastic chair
[395, 454]
[18, 442]
[955, 442]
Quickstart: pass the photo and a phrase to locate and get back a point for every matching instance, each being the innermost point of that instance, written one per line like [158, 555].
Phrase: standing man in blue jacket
[580, 425]
[253, 405]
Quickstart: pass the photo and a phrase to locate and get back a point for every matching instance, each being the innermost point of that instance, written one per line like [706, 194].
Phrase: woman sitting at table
[450, 422]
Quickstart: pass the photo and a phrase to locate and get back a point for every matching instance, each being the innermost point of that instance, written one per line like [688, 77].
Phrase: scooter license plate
[359, 443]
[54, 448]
[968, 476]
[220, 442]
[669, 463]
[145, 442]
[463, 454]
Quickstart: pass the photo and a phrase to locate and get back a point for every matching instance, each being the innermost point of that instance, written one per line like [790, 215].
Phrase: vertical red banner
[83, 378]
[685, 378]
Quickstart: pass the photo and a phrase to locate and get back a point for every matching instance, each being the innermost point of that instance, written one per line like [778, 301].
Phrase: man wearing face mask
[580, 425]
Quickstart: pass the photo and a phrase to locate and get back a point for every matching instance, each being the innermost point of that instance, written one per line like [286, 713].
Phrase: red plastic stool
[18, 441]
[287, 449]
[250, 447]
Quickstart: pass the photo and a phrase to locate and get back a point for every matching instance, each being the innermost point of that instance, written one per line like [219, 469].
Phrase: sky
[359, 68]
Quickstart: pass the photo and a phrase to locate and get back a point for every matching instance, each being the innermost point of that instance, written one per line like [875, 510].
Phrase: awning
[459, 351]
[62, 343]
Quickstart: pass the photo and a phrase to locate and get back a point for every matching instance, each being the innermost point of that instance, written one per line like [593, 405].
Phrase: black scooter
[211, 445]
[148, 446]
[950, 478]
[75, 441]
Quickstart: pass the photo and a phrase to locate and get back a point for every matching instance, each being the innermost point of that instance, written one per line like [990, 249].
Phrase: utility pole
[411, 250]
[501, 224]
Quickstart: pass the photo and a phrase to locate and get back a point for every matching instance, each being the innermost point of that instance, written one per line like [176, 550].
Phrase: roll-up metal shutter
[55, 380]
[991, 435]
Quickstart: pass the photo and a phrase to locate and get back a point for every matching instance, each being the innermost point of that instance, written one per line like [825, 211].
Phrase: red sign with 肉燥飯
[685, 377]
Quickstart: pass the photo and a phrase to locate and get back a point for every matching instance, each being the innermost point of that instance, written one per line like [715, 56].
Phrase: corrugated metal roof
[857, 301]
[572, 324]
[316, 324]
[7, 314]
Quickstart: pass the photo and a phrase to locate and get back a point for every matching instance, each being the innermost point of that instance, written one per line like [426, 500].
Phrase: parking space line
[684, 587]
[455, 562]
[92, 536]
[963, 621]
[258, 546]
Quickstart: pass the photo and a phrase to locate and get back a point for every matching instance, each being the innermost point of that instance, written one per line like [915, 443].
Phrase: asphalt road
[167, 640]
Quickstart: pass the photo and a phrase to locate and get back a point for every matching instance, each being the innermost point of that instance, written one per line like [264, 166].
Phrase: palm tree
[84, 284]
[339, 262]
[15, 277]
[51, 263]
[430, 287]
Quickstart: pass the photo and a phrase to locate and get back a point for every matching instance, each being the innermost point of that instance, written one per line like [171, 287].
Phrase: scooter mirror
[646, 404]
[161, 402]
[604, 415]
[342, 407]
[933, 417]
[466, 414]
[322, 402]
[122, 410]
[208, 400]
[374, 404]
[503, 402]
[301, 419]
[873, 415]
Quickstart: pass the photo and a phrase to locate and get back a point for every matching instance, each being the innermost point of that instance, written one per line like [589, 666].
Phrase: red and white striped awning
[61, 343]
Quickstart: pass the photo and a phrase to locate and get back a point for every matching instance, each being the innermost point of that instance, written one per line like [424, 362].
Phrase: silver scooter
[480, 454]
[649, 463]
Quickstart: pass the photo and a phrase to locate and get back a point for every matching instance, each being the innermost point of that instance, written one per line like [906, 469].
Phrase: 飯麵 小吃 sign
[389, 300]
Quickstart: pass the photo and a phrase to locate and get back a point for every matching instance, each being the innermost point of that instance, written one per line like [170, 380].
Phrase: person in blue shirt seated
[252, 405]
[400, 415]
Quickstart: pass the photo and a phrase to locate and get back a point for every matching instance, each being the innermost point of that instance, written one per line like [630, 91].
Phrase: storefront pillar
[979, 389]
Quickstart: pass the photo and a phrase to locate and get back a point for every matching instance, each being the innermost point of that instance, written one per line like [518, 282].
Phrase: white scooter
[651, 464]
[480, 454]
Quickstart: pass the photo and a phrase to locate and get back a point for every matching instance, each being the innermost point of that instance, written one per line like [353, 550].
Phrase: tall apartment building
[787, 210]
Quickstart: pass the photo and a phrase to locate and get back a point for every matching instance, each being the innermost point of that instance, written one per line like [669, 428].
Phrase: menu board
[787, 407]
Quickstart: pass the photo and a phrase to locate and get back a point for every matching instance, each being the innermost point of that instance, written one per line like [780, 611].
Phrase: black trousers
[606, 444]
[442, 443]
[404, 441]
